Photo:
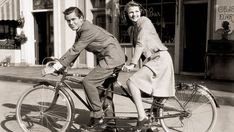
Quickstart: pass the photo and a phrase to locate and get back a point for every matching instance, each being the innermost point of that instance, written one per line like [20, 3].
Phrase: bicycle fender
[69, 97]
[210, 93]
[47, 83]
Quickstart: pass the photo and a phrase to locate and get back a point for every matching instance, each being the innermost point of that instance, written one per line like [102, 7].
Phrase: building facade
[184, 26]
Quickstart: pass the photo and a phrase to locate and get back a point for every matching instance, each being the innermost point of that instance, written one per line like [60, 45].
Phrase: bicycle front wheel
[193, 109]
[35, 111]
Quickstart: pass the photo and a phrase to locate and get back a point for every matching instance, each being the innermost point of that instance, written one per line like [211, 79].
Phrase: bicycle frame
[179, 108]
[66, 78]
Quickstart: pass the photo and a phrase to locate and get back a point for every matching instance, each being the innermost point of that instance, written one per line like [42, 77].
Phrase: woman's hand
[128, 68]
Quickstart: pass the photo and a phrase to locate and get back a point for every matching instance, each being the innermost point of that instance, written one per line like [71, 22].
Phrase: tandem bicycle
[49, 107]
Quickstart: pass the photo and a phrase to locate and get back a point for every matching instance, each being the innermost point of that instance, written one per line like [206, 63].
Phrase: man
[108, 53]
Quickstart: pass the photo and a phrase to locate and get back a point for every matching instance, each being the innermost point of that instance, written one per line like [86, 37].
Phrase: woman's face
[134, 13]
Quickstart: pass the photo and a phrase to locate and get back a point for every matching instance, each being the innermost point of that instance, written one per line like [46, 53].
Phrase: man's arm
[87, 36]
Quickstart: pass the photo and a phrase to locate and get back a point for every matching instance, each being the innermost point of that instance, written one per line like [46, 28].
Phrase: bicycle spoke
[198, 110]
[37, 113]
[55, 116]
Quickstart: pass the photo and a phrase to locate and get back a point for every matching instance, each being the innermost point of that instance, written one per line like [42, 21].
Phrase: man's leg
[108, 105]
[93, 80]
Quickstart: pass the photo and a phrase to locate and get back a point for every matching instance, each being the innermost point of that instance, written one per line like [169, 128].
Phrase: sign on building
[224, 12]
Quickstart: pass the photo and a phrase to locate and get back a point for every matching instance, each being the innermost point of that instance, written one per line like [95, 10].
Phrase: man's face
[73, 21]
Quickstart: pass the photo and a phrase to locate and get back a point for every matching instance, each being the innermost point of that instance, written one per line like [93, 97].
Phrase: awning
[9, 9]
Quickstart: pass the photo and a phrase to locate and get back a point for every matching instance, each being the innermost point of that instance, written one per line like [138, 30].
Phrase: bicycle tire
[201, 108]
[31, 114]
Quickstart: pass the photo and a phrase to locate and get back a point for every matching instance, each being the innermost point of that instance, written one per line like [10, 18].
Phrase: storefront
[9, 16]
[184, 26]
[220, 46]
[163, 14]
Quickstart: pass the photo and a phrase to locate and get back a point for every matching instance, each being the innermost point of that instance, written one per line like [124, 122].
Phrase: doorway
[44, 40]
[195, 29]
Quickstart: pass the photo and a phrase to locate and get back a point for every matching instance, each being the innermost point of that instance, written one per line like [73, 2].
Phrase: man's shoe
[95, 122]
[90, 127]
[110, 129]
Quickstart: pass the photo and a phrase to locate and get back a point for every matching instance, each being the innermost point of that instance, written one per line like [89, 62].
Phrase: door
[44, 40]
[195, 29]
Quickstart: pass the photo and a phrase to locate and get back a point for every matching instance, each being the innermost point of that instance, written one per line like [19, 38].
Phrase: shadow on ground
[81, 118]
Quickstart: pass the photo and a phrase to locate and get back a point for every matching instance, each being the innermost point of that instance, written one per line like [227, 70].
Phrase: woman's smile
[134, 13]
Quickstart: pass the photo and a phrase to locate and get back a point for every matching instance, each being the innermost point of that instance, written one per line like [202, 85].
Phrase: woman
[156, 77]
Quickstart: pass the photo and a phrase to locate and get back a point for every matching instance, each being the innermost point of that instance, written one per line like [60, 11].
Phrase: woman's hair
[131, 4]
[77, 11]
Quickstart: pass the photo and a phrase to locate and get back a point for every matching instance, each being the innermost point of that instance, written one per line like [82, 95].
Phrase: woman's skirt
[156, 77]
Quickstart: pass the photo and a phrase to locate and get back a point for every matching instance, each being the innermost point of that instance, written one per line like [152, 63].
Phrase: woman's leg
[136, 94]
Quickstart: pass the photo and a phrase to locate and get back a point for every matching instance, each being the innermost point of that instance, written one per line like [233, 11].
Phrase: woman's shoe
[142, 123]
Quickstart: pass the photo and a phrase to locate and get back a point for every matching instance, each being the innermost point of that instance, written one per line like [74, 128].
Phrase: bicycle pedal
[84, 130]
[87, 129]
[138, 130]
[146, 130]
[110, 129]
[153, 129]
[106, 108]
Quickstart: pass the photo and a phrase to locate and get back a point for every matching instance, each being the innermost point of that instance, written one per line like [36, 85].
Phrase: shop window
[100, 15]
[7, 35]
[42, 4]
[100, 20]
[98, 3]
[160, 12]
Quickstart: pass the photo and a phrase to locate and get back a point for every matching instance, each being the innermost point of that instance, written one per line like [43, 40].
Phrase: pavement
[223, 90]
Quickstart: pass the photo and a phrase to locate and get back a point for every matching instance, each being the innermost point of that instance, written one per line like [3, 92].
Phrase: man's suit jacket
[98, 41]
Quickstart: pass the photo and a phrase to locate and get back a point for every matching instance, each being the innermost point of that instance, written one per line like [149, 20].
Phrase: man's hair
[77, 11]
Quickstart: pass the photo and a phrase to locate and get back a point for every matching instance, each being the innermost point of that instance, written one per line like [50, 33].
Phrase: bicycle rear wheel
[33, 114]
[193, 109]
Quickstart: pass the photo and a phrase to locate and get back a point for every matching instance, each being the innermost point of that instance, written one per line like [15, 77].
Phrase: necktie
[77, 36]
[133, 36]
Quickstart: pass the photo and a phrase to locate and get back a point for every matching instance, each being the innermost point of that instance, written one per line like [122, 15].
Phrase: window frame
[8, 34]
[169, 26]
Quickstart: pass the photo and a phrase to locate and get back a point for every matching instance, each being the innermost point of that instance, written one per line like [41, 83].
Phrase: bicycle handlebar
[51, 59]
[62, 71]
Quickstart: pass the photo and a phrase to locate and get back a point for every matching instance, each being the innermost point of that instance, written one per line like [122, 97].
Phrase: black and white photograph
[116, 65]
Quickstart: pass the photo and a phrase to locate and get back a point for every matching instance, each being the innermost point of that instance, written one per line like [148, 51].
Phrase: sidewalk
[223, 90]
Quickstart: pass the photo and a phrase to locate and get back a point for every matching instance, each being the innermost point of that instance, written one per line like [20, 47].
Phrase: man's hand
[127, 68]
[48, 70]
[51, 68]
